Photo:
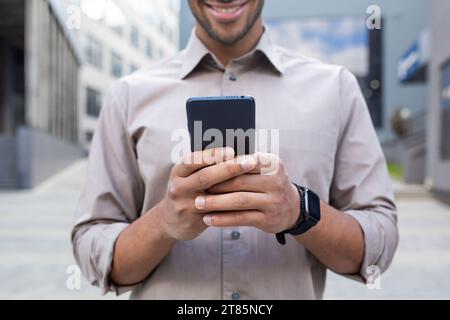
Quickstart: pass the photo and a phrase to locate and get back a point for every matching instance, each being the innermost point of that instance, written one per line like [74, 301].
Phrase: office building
[39, 76]
[438, 129]
[427, 61]
[117, 38]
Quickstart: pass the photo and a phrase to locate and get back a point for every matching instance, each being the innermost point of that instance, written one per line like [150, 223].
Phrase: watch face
[312, 205]
[310, 212]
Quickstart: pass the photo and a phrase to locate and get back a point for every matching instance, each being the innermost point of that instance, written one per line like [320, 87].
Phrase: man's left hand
[265, 198]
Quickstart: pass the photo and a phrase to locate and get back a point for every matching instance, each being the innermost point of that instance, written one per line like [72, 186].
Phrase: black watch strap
[281, 238]
[306, 219]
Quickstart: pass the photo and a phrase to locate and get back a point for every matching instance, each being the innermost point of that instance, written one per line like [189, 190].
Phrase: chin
[228, 35]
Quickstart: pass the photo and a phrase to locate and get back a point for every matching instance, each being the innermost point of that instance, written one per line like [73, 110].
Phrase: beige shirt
[327, 143]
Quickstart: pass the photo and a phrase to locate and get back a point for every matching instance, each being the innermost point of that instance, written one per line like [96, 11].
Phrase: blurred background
[59, 57]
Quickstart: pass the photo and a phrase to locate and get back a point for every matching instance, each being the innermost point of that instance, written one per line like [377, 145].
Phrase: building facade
[438, 129]
[427, 61]
[116, 39]
[38, 93]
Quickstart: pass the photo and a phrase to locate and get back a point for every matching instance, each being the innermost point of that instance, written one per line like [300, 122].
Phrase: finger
[209, 176]
[197, 160]
[248, 218]
[232, 201]
[267, 164]
[245, 182]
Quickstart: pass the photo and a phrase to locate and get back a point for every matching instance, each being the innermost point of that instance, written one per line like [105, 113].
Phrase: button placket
[232, 243]
[235, 296]
[230, 81]
[232, 76]
[232, 250]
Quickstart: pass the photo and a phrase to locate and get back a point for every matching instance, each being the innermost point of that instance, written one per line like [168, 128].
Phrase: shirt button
[235, 296]
[235, 235]
[232, 77]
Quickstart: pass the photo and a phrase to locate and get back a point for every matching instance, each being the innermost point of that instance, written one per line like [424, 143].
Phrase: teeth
[227, 10]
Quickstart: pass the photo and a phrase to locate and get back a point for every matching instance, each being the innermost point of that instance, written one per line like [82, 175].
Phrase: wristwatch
[309, 214]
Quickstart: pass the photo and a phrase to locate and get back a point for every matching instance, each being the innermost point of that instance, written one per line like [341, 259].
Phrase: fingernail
[200, 202]
[246, 164]
[207, 220]
[228, 153]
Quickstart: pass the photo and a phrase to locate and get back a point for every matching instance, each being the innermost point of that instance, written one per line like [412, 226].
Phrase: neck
[227, 52]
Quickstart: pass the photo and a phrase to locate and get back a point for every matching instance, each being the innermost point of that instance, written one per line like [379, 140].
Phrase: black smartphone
[228, 121]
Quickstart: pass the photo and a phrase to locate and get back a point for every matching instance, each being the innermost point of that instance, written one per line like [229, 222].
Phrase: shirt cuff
[374, 244]
[103, 255]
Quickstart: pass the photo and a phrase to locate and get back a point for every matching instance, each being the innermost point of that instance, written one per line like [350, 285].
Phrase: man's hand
[181, 216]
[265, 198]
[144, 243]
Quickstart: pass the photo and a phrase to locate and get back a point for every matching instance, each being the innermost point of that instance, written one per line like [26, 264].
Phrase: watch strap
[305, 220]
[281, 238]
[304, 226]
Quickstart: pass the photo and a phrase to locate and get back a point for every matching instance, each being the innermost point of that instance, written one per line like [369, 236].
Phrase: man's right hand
[197, 172]
[144, 243]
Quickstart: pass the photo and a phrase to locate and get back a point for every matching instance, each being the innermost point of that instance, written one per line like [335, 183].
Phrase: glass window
[94, 52]
[133, 67]
[148, 48]
[170, 35]
[116, 65]
[93, 102]
[134, 37]
[89, 135]
[118, 29]
[366, 60]
[162, 27]
[445, 117]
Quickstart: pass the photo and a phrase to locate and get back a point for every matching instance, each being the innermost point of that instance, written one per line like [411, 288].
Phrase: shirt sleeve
[361, 186]
[112, 196]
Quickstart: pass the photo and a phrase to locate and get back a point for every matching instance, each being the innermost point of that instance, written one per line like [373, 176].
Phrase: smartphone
[228, 121]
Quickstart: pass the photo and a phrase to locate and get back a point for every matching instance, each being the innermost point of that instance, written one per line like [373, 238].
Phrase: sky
[337, 40]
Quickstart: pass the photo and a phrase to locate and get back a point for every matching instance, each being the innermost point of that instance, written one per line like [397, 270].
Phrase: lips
[226, 12]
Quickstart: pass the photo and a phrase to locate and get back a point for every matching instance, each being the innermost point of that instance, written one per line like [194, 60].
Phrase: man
[206, 230]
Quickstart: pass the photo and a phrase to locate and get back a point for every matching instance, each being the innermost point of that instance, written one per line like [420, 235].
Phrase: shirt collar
[196, 51]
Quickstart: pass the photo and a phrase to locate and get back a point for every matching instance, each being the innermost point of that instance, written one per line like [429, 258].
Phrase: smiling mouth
[225, 8]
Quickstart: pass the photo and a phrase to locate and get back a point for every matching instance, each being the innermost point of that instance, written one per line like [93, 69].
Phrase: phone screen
[222, 122]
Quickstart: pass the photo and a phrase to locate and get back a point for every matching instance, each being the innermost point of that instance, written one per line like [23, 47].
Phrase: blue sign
[412, 65]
